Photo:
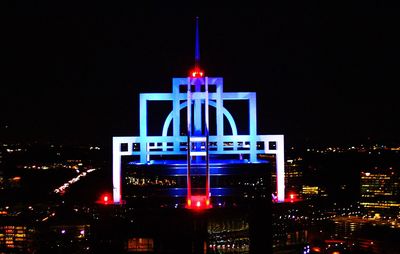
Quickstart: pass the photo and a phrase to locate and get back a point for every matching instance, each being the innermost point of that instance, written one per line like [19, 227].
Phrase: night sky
[323, 74]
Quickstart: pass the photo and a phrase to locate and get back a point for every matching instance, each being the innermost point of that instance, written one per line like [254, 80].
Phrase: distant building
[380, 191]
[312, 192]
[16, 236]
[293, 177]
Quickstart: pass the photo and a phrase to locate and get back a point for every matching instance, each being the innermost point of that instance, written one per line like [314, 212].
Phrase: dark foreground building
[168, 230]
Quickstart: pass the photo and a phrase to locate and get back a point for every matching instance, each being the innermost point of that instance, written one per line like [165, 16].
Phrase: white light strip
[116, 171]
[197, 153]
[198, 139]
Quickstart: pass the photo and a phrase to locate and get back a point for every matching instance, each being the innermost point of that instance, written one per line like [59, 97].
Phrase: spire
[197, 49]
[197, 72]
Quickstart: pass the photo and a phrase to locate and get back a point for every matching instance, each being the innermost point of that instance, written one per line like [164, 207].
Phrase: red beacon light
[198, 203]
[105, 199]
[292, 197]
[197, 73]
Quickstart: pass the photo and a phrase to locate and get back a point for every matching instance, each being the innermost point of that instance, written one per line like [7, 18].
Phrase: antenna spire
[197, 49]
[197, 72]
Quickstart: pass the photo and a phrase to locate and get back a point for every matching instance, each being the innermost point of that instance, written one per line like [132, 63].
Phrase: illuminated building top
[196, 93]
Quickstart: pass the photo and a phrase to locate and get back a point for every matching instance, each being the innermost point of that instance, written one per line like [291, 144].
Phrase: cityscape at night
[200, 130]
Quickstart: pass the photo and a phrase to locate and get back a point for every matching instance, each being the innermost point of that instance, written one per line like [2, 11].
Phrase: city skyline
[320, 77]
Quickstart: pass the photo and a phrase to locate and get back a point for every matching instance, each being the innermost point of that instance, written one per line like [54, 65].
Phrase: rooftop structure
[192, 140]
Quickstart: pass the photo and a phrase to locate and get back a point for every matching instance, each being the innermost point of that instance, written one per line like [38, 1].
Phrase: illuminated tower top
[197, 93]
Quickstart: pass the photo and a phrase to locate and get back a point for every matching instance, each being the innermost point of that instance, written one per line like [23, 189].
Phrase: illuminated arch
[212, 103]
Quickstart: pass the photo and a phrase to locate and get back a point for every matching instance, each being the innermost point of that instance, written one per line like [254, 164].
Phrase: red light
[197, 73]
[292, 197]
[105, 199]
[199, 203]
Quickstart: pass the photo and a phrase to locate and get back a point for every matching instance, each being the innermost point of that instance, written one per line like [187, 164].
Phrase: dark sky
[323, 74]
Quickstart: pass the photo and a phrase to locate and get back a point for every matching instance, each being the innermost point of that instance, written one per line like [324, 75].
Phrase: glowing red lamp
[105, 199]
[197, 73]
[198, 203]
[292, 197]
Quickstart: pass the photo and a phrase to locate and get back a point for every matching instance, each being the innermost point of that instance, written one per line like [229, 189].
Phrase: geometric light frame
[146, 147]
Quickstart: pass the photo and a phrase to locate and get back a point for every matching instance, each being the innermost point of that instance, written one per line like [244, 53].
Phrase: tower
[197, 152]
[208, 155]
